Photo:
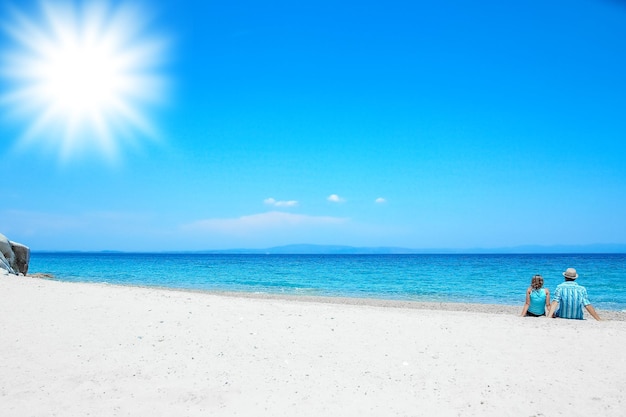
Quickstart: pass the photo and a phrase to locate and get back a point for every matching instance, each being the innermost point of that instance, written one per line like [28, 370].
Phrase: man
[571, 298]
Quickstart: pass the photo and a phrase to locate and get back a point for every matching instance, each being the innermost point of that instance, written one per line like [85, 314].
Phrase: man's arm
[552, 309]
[592, 311]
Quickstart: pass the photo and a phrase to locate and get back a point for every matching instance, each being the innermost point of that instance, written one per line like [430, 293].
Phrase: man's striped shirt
[571, 298]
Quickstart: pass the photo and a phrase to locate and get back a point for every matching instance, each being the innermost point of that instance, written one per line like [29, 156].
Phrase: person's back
[537, 298]
[571, 298]
[538, 302]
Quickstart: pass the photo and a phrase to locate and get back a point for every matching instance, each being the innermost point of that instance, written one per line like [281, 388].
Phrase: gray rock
[22, 257]
[7, 257]
[14, 257]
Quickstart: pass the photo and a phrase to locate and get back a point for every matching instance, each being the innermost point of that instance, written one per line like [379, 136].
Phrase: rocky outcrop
[22, 257]
[14, 257]
[7, 257]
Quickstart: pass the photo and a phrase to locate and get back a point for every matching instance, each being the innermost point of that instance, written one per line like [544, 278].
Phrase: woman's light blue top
[538, 301]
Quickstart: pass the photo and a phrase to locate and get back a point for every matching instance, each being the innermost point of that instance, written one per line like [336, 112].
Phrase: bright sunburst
[82, 77]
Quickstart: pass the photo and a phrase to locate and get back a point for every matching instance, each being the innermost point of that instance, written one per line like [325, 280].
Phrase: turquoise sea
[493, 279]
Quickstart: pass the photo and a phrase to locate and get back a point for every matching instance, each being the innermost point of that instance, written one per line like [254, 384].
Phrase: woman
[537, 299]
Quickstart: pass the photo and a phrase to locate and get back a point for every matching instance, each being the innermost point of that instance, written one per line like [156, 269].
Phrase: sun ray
[83, 77]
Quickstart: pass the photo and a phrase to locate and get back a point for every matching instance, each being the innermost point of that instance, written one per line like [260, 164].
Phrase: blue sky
[414, 124]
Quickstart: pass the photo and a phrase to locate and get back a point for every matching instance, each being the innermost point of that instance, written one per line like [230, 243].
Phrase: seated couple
[568, 296]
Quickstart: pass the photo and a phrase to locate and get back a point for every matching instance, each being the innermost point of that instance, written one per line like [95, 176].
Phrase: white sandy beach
[69, 349]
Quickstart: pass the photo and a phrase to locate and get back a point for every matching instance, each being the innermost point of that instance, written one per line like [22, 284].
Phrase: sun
[83, 77]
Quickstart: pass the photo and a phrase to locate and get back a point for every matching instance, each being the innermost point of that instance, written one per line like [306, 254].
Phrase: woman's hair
[537, 282]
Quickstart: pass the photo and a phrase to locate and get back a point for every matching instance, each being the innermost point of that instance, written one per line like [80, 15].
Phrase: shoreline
[71, 348]
[373, 302]
[401, 304]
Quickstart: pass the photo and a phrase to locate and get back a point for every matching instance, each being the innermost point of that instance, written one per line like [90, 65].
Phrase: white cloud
[89, 230]
[30, 223]
[380, 200]
[280, 203]
[270, 221]
[334, 198]
[34, 222]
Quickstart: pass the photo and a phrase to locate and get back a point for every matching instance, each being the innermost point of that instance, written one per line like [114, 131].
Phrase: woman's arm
[553, 305]
[525, 309]
[547, 301]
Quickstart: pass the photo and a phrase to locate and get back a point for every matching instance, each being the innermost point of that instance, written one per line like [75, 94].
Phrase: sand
[75, 349]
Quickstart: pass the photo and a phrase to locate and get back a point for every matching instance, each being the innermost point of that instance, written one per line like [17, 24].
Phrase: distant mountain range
[351, 250]
[306, 249]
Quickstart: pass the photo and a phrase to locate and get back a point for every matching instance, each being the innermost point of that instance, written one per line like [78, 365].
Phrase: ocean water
[493, 279]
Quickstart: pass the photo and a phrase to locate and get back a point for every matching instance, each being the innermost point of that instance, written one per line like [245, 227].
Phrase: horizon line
[315, 249]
